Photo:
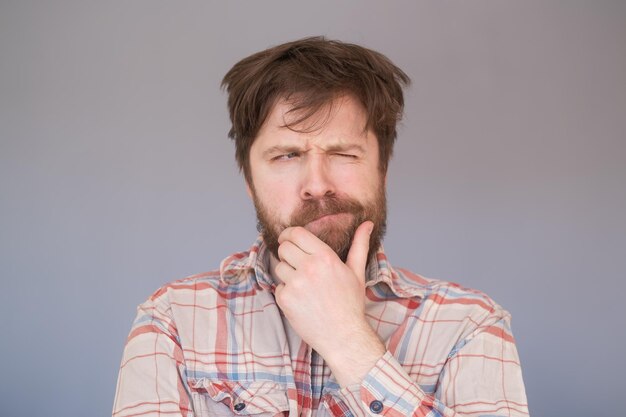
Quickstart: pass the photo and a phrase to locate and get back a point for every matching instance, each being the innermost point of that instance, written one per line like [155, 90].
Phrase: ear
[249, 190]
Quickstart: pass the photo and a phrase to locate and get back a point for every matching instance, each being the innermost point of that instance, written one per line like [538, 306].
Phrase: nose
[317, 180]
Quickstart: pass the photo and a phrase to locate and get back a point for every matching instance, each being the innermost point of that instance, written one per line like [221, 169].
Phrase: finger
[303, 239]
[292, 254]
[284, 272]
[357, 256]
[279, 288]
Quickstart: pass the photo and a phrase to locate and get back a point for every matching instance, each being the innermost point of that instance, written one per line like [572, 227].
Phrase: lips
[325, 220]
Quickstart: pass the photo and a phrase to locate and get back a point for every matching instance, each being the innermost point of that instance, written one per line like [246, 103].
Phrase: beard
[336, 234]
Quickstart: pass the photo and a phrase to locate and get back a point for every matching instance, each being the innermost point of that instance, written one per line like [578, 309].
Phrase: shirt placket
[300, 398]
[319, 376]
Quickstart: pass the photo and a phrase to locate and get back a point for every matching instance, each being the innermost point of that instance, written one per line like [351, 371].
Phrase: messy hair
[310, 74]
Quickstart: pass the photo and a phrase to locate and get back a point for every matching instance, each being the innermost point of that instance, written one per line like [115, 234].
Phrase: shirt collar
[234, 269]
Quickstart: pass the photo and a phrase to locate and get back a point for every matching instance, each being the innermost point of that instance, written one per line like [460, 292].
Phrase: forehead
[342, 119]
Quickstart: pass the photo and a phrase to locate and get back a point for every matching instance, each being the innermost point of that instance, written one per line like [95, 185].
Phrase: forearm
[388, 390]
[481, 376]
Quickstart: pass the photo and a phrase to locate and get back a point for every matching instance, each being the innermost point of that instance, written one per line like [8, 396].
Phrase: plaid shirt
[216, 344]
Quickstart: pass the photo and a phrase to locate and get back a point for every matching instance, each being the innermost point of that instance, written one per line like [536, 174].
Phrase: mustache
[311, 210]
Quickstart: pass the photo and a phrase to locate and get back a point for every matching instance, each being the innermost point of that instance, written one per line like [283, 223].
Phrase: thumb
[357, 256]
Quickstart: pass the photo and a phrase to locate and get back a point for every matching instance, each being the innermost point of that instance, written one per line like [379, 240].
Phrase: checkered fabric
[216, 344]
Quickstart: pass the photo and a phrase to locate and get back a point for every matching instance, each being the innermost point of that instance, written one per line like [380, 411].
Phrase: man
[313, 320]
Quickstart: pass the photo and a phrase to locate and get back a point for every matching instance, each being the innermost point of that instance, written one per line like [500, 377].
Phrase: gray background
[116, 175]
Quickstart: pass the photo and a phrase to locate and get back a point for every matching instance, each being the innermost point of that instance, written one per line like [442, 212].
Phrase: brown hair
[310, 73]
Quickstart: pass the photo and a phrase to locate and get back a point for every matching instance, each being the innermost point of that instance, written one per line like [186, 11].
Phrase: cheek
[279, 198]
[278, 189]
[360, 184]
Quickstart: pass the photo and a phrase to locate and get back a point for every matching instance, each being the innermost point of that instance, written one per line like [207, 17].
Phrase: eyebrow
[346, 148]
[284, 149]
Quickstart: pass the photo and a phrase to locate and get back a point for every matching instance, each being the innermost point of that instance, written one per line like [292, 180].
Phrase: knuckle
[281, 251]
[327, 257]
[285, 233]
[297, 232]
[281, 297]
[281, 268]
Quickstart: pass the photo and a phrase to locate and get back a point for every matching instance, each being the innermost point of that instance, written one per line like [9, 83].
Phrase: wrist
[353, 359]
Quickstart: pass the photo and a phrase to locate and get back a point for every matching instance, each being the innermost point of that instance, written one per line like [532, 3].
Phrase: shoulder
[182, 291]
[232, 279]
[448, 295]
[198, 282]
[462, 311]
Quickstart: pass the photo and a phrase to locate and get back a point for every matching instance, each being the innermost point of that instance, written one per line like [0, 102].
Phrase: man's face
[323, 175]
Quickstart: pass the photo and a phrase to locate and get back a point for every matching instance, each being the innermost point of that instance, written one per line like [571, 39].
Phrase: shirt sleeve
[150, 380]
[481, 376]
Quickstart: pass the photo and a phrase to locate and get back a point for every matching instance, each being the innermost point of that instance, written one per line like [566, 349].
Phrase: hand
[324, 299]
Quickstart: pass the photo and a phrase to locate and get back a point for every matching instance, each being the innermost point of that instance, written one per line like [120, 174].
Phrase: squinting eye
[286, 157]
[345, 155]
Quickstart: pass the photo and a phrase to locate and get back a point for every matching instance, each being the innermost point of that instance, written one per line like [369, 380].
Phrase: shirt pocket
[233, 398]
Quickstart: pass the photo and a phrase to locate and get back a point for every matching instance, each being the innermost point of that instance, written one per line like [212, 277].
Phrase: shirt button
[239, 406]
[376, 406]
